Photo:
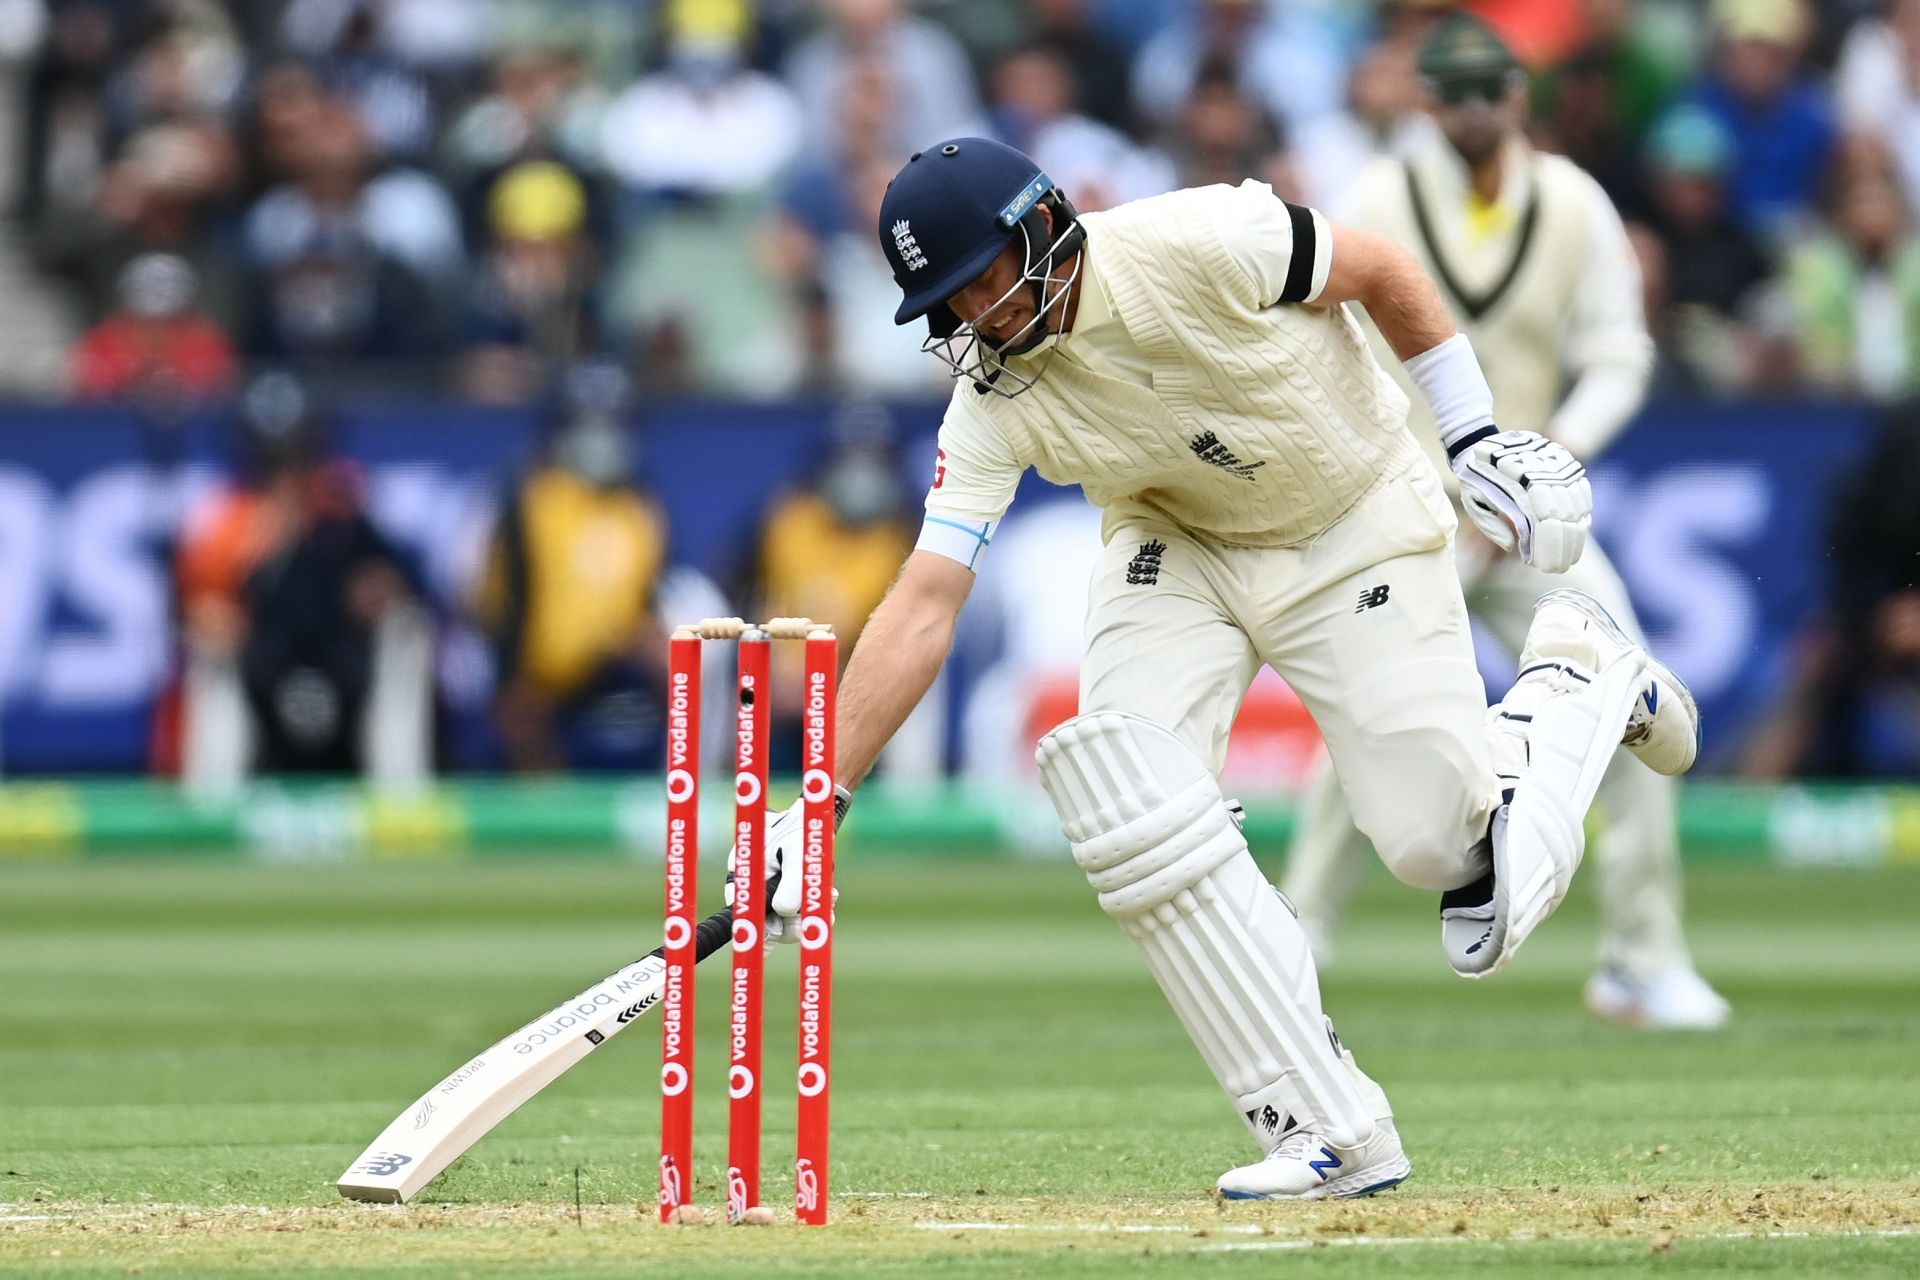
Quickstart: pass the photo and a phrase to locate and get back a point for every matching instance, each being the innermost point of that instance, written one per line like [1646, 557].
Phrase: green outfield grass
[190, 1054]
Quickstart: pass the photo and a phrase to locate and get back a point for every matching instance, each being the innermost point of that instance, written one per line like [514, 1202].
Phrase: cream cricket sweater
[1185, 391]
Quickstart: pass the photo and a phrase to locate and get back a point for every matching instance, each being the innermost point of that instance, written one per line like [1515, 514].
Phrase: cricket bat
[466, 1106]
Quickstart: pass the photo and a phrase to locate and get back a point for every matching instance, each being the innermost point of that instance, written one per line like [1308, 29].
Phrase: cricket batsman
[1536, 268]
[1186, 360]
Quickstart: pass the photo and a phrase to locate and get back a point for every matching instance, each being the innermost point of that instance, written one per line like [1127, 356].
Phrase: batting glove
[1526, 493]
[783, 839]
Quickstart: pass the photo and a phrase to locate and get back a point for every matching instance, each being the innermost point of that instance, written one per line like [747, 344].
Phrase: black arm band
[1306, 251]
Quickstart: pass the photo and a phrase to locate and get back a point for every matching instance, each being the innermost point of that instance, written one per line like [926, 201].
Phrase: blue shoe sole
[1387, 1185]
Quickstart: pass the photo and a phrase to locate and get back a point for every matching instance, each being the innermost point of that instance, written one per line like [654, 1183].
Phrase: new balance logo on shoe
[1144, 569]
[1325, 1167]
[1372, 598]
[1207, 447]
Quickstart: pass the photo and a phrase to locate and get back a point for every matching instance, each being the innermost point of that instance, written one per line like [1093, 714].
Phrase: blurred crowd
[309, 640]
[469, 196]
[520, 201]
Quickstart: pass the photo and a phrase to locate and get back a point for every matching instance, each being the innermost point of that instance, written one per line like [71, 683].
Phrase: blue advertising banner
[1717, 517]
[1715, 514]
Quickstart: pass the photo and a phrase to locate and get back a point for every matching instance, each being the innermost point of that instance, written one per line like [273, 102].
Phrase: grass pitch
[190, 1054]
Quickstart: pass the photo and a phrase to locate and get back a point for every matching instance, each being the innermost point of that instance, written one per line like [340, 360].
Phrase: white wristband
[1450, 377]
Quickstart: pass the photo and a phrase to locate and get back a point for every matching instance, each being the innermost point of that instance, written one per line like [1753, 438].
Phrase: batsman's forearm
[1406, 307]
[899, 653]
[1402, 300]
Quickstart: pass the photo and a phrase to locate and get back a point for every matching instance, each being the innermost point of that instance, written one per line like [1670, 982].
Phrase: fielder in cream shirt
[1537, 271]
[1186, 361]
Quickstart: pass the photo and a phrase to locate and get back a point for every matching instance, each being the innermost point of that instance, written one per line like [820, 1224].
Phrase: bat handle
[709, 935]
[713, 933]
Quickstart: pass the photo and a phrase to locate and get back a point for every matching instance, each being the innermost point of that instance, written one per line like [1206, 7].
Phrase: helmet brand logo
[909, 248]
[1017, 207]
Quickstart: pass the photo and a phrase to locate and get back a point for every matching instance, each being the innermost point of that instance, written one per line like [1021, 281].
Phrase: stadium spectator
[533, 299]
[828, 551]
[937, 98]
[821, 247]
[701, 146]
[1630, 61]
[1853, 289]
[65, 111]
[707, 123]
[541, 103]
[158, 348]
[1584, 121]
[1224, 135]
[1035, 108]
[1284, 55]
[1779, 117]
[375, 55]
[1380, 118]
[344, 261]
[1712, 268]
[604, 34]
[568, 599]
[1716, 264]
[1068, 30]
[189, 65]
[307, 647]
[162, 193]
[286, 105]
[1877, 86]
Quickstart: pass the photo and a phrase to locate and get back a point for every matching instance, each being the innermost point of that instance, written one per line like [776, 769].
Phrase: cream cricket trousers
[1368, 626]
[1636, 846]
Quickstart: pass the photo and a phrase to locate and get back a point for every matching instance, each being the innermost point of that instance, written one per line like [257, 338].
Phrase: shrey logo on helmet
[909, 247]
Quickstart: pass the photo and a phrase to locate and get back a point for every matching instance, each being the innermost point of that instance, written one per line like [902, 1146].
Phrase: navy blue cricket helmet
[952, 209]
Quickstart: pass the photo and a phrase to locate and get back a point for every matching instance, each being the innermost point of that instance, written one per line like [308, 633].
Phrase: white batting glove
[783, 839]
[1529, 494]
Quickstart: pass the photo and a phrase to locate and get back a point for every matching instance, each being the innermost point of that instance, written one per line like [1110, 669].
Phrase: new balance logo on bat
[1144, 569]
[1207, 447]
[383, 1164]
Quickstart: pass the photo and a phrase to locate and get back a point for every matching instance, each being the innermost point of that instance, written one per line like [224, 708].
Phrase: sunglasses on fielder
[1491, 89]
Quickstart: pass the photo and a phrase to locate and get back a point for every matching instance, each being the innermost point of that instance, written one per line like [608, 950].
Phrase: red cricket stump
[816, 928]
[749, 923]
[682, 899]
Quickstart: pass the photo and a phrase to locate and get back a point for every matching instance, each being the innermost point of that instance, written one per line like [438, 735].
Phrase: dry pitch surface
[191, 1055]
[1531, 1231]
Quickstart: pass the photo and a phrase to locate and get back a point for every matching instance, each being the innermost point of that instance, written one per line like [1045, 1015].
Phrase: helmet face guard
[971, 354]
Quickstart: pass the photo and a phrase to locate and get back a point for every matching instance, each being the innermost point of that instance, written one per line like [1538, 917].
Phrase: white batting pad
[1150, 828]
[1575, 691]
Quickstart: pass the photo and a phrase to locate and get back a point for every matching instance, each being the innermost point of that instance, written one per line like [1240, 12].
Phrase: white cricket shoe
[1663, 728]
[1306, 1167]
[1677, 1000]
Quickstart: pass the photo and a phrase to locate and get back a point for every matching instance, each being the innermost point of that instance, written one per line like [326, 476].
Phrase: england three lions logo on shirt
[909, 248]
[1144, 569]
[1207, 447]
